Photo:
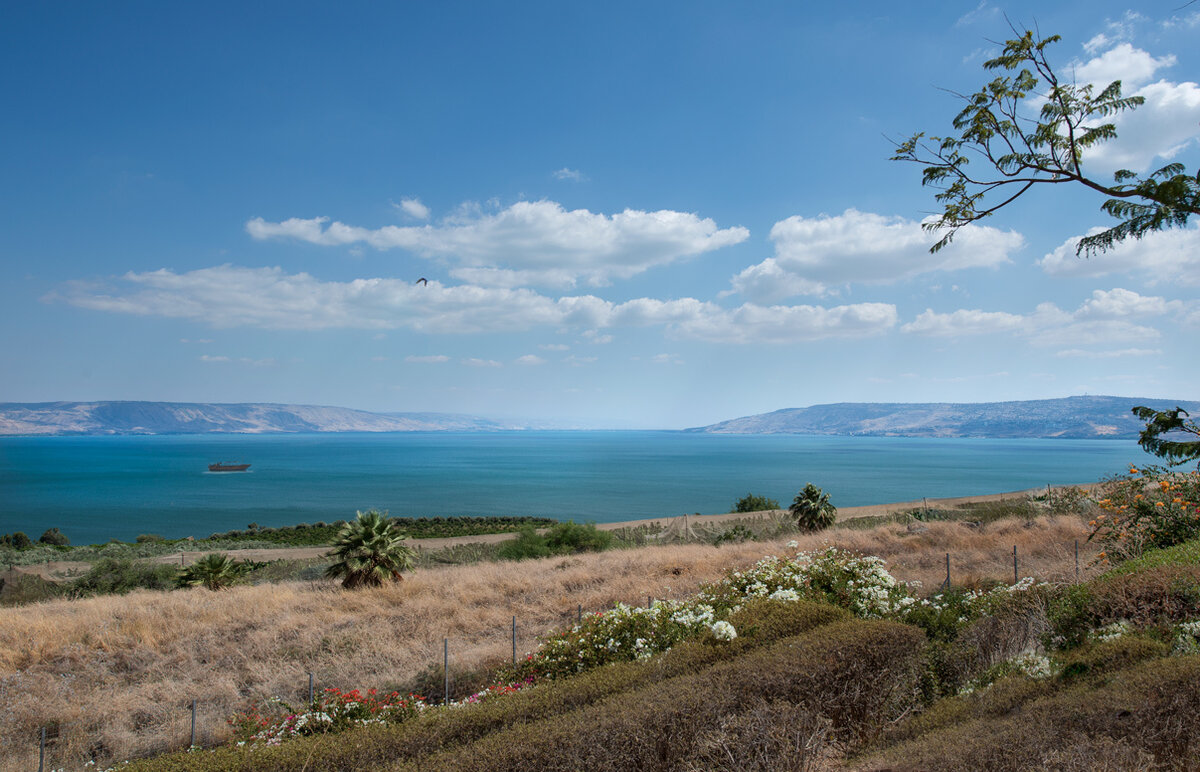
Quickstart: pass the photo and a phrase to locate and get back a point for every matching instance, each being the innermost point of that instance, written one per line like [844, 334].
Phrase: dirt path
[62, 570]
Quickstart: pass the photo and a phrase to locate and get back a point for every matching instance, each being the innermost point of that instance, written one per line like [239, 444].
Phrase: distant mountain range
[1070, 418]
[50, 418]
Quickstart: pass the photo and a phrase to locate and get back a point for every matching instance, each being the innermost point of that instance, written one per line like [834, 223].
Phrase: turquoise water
[97, 488]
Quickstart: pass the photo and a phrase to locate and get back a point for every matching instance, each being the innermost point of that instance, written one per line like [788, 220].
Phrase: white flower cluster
[1187, 638]
[723, 631]
[1113, 631]
[1034, 665]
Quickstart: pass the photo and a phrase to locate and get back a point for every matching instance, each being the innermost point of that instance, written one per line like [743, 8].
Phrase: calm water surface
[97, 488]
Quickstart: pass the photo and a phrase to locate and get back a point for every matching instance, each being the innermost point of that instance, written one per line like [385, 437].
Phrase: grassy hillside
[117, 673]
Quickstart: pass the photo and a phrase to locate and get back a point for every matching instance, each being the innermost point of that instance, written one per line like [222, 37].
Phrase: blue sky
[628, 214]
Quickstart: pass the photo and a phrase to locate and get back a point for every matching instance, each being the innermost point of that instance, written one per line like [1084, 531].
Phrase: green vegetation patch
[1143, 717]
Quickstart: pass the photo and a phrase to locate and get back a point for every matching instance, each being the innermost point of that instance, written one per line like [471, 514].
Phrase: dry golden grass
[116, 674]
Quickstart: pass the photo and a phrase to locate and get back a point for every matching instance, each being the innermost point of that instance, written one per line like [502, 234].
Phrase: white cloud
[1170, 256]
[530, 242]
[815, 256]
[554, 347]
[232, 296]
[1160, 128]
[574, 175]
[1102, 319]
[596, 337]
[413, 208]
[432, 359]
[474, 362]
[1125, 352]
[530, 359]
[666, 359]
[207, 358]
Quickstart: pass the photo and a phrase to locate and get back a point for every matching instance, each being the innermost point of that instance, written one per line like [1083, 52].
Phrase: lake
[98, 488]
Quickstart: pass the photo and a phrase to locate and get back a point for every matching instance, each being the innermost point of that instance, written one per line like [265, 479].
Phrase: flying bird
[423, 280]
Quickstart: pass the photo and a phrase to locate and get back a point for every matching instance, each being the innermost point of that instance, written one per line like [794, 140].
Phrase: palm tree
[214, 571]
[812, 509]
[369, 551]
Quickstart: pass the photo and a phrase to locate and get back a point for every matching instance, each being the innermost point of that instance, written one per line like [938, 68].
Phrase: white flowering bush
[1187, 638]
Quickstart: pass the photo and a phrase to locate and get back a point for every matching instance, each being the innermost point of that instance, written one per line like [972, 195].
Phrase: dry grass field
[114, 676]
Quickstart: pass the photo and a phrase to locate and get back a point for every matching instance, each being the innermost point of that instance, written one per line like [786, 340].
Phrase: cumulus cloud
[816, 255]
[413, 208]
[1161, 128]
[531, 243]
[474, 362]
[1170, 256]
[431, 360]
[530, 359]
[1104, 318]
[231, 296]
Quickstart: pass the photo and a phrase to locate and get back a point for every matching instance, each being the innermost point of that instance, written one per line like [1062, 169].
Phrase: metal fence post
[1077, 560]
[310, 689]
[947, 570]
[1015, 579]
[446, 669]
[579, 614]
[42, 749]
[514, 637]
[192, 744]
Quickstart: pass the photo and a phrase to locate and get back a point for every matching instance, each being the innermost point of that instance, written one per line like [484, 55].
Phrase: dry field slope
[117, 673]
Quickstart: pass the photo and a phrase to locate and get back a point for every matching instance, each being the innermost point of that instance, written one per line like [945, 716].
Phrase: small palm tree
[369, 551]
[214, 571]
[812, 509]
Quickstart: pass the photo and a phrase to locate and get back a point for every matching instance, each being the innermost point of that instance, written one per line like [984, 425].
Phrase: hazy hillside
[1070, 417]
[203, 418]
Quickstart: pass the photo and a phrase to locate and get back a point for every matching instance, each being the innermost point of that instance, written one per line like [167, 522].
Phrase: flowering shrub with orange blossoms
[1146, 508]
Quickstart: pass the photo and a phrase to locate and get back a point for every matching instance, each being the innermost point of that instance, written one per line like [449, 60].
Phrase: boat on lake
[219, 467]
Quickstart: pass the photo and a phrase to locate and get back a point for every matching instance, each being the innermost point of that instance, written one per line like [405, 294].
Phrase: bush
[569, 537]
[54, 537]
[150, 538]
[752, 503]
[1146, 717]
[1154, 597]
[17, 540]
[1148, 508]
[561, 539]
[528, 544]
[857, 674]
[119, 576]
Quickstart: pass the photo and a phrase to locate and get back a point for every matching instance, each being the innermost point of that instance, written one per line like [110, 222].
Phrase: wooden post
[310, 689]
[514, 637]
[192, 744]
[579, 614]
[446, 669]
[42, 749]
[1077, 560]
[947, 570]
[1015, 579]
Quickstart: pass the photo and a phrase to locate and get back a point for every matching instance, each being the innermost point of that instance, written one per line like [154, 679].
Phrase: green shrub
[1144, 717]
[1100, 658]
[121, 575]
[54, 537]
[857, 674]
[1185, 554]
[149, 538]
[752, 503]
[568, 537]
[17, 540]
[20, 588]
[528, 544]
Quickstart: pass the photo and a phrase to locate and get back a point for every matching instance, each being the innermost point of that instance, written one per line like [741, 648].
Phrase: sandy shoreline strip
[57, 569]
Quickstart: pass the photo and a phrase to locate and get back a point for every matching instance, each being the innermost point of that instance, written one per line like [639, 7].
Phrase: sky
[626, 214]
